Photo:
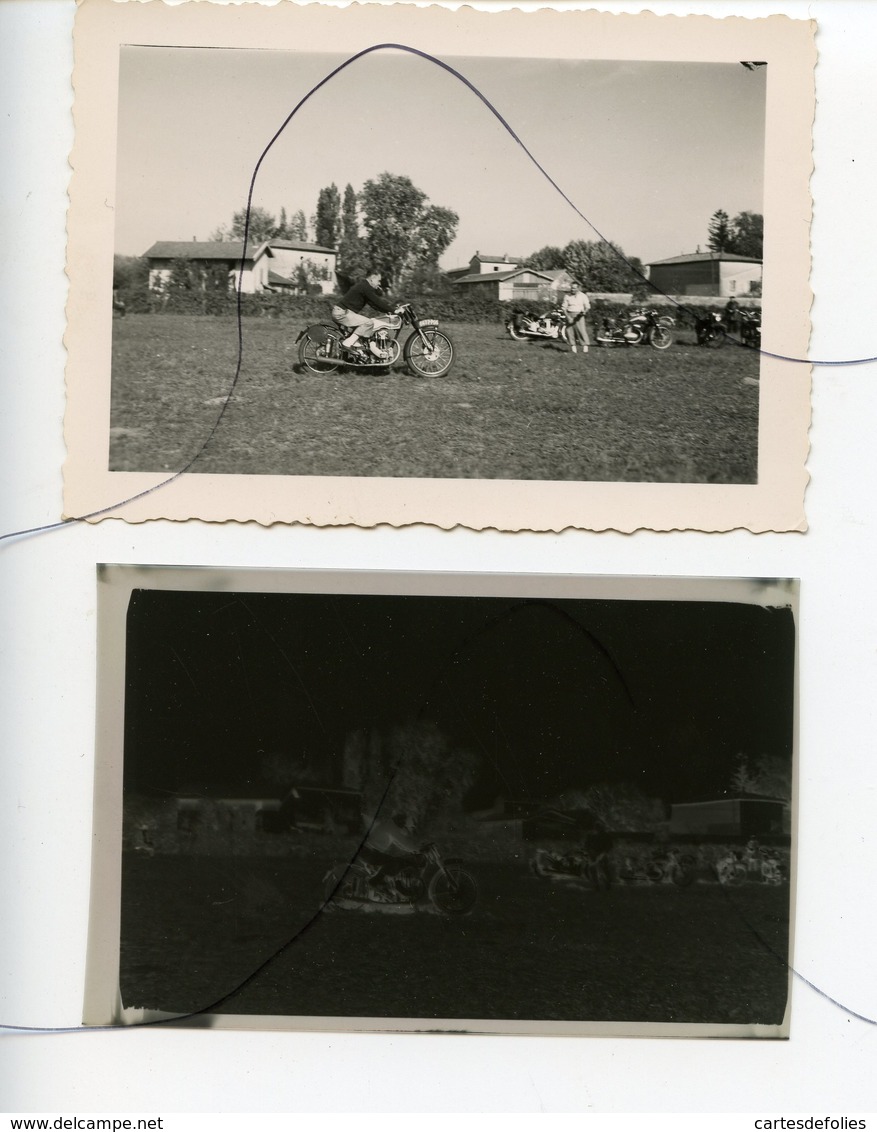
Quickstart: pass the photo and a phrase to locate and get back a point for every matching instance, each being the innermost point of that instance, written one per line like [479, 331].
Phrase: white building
[207, 254]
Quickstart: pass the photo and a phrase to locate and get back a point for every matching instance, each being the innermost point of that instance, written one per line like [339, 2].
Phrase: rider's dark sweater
[363, 293]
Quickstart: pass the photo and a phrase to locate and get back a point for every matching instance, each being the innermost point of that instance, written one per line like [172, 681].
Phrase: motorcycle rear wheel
[453, 891]
[339, 884]
[515, 333]
[434, 361]
[319, 357]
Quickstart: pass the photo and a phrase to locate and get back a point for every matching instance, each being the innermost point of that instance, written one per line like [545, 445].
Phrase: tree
[282, 232]
[744, 235]
[298, 226]
[549, 258]
[414, 769]
[742, 780]
[747, 235]
[599, 266]
[351, 253]
[262, 226]
[185, 275]
[327, 225]
[435, 231]
[773, 776]
[402, 228]
[391, 208]
[618, 807]
[719, 231]
[130, 276]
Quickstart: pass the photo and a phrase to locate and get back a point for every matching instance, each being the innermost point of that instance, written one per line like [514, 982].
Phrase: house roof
[299, 246]
[496, 258]
[206, 249]
[280, 280]
[702, 257]
[501, 276]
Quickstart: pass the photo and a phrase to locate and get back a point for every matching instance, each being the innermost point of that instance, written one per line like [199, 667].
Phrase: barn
[706, 273]
[745, 815]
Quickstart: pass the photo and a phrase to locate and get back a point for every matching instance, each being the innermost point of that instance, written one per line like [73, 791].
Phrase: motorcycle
[427, 351]
[710, 330]
[572, 867]
[672, 867]
[750, 328]
[644, 325]
[524, 325]
[435, 884]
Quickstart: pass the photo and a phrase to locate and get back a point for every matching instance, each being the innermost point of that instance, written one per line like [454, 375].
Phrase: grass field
[194, 929]
[506, 410]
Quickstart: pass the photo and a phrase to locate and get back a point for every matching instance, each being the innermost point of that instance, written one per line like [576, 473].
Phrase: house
[740, 816]
[289, 256]
[319, 808]
[706, 273]
[207, 254]
[222, 815]
[323, 808]
[522, 284]
[485, 265]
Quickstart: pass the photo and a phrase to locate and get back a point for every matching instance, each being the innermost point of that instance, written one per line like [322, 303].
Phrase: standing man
[576, 304]
[349, 311]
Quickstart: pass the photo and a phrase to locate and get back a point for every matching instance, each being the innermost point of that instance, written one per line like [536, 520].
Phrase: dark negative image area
[595, 796]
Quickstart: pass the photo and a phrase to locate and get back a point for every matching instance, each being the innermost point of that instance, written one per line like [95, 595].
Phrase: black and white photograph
[487, 805]
[419, 299]
[365, 272]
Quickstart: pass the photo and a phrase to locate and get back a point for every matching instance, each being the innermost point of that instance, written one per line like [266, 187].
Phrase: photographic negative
[444, 803]
[526, 296]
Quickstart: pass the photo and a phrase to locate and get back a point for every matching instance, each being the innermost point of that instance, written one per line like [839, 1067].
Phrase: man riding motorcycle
[348, 312]
[389, 848]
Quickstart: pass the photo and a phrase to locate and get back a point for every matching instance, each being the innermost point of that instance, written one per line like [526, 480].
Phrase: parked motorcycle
[427, 351]
[525, 325]
[572, 867]
[672, 867]
[710, 330]
[750, 328]
[640, 326]
[437, 884]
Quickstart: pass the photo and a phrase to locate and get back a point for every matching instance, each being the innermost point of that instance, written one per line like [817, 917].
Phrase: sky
[549, 695]
[646, 151]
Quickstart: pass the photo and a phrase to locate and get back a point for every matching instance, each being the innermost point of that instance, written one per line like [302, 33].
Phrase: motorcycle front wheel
[432, 358]
[660, 337]
[453, 891]
[339, 883]
[319, 357]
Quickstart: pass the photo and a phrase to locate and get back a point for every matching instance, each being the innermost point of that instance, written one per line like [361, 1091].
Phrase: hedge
[448, 306]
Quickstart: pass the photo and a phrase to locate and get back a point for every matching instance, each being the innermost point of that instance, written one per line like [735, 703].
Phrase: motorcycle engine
[381, 341]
